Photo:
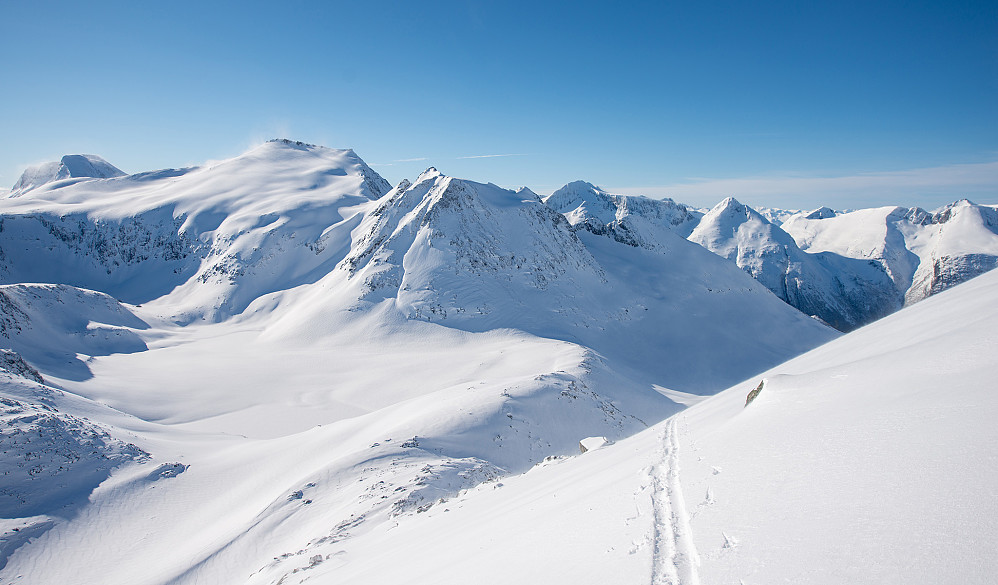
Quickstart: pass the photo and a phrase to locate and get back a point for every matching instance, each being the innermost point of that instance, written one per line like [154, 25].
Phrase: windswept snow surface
[868, 460]
[275, 356]
[204, 241]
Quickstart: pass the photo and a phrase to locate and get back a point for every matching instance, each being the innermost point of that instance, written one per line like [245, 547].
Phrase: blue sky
[790, 104]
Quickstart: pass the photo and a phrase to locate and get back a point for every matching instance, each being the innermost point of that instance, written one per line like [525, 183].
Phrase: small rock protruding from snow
[591, 444]
[753, 394]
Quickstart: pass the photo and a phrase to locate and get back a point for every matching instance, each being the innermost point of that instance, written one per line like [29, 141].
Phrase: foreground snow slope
[868, 460]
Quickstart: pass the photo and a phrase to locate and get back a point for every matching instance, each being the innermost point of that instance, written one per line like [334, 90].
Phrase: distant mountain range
[847, 269]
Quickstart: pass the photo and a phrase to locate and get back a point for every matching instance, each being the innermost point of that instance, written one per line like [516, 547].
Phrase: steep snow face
[636, 221]
[923, 252]
[216, 236]
[843, 292]
[72, 166]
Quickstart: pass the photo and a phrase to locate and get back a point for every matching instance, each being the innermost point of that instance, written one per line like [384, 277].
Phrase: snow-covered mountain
[842, 291]
[280, 353]
[636, 221]
[204, 240]
[72, 166]
[852, 268]
[924, 253]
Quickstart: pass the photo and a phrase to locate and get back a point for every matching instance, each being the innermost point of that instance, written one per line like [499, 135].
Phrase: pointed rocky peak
[731, 210]
[731, 226]
[402, 186]
[71, 166]
[728, 204]
[428, 174]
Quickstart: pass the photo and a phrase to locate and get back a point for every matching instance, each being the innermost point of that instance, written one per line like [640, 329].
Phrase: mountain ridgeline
[214, 239]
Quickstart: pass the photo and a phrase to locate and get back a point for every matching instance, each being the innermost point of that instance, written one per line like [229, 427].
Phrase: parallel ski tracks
[676, 561]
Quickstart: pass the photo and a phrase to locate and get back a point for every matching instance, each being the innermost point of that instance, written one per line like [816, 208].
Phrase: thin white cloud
[411, 159]
[490, 155]
[924, 186]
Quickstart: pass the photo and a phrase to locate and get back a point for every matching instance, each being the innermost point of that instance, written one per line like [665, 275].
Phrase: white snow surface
[868, 460]
[246, 366]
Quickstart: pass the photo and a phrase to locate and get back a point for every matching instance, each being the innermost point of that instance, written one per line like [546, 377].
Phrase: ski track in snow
[675, 560]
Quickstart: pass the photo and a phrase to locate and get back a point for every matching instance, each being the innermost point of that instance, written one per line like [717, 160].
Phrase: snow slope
[867, 460]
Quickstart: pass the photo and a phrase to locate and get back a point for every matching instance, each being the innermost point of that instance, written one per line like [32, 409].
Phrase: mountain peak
[728, 203]
[821, 213]
[71, 166]
[430, 173]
